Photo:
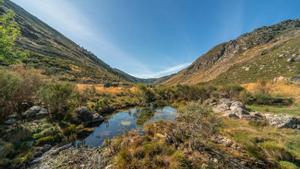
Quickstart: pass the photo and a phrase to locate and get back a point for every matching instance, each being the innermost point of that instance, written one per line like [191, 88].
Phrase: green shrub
[48, 140]
[184, 93]
[276, 151]
[267, 99]
[147, 94]
[44, 133]
[70, 130]
[197, 122]
[10, 85]
[287, 165]
[230, 91]
[144, 115]
[9, 32]
[17, 87]
[59, 97]
[22, 158]
[104, 105]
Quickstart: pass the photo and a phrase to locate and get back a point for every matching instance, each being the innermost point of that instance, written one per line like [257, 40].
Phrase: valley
[61, 106]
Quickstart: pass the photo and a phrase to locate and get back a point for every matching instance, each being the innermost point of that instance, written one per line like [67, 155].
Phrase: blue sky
[153, 38]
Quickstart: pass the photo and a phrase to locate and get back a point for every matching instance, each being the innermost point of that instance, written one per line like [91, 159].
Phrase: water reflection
[124, 121]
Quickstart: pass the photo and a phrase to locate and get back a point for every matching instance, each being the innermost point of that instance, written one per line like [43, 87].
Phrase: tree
[9, 32]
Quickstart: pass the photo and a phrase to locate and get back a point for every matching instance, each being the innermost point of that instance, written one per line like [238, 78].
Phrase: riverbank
[198, 138]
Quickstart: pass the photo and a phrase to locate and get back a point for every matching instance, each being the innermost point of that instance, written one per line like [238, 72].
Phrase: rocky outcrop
[283, 121]
[236, 109]
[231, 108]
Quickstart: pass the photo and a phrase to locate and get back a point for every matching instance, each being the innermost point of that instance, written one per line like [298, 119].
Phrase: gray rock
[290, 60]
[83, 115]
[232, 109]
[257, 116]
[283, 121]
[295, 79]
[239, 109]
[10, 121]
[42, 113]
[97, 118]
[294, 59]
[222, 106]
[35, 111]
[297, 58]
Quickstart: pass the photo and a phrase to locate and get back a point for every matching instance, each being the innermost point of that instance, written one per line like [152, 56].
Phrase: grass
[264, 66]
[287, 165]
[291, 110]
[100, 89]
[145, 152]
[265, 142]
[283, 89]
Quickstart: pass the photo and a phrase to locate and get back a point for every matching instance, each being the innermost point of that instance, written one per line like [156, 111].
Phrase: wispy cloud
[167, 71]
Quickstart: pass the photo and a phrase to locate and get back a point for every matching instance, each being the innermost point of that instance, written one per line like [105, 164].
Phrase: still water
[124, 121]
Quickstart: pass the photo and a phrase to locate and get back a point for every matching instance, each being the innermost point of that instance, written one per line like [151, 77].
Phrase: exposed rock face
[35, 112]
[236, 109]
[283, 121]
[241, 52]
[231, 108]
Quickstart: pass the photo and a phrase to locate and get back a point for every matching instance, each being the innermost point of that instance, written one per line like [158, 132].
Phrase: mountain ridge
[221, 58]
[56, 55]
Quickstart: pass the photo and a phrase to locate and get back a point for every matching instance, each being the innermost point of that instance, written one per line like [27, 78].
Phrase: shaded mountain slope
[57, 55]
[265, 53]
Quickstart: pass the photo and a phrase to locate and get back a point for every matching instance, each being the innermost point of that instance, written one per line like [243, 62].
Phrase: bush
[196, 123]
[9, 32]
[144, 115]
[287, 165]
[10, 85]
[147, 94]
[267, 99]
[231, 91]
[16, 88]
[48, 140]
[184, 93]
[104, 105]
[275, 151]
[59, 97]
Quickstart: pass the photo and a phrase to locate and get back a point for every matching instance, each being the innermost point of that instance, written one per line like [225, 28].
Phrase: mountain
[58, 56]
[264, 54]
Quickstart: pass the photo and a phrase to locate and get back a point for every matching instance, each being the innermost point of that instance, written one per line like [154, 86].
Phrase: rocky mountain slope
[58, 56]
[265, 53]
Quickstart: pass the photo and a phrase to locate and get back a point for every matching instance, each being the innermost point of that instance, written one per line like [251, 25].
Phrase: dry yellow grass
[106, 90]
[278, 88]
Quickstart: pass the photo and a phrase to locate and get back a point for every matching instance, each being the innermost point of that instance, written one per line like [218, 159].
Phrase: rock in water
[83, 115]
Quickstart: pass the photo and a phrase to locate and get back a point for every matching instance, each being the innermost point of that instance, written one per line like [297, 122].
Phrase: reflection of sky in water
[123, 122]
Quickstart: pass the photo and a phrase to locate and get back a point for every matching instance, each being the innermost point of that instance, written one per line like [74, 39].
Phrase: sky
[154, 38]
